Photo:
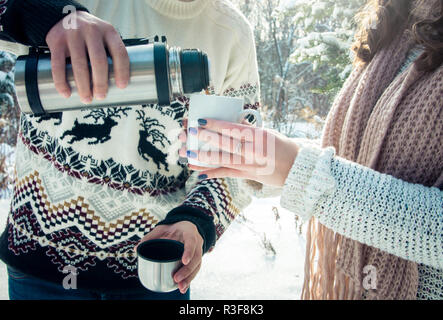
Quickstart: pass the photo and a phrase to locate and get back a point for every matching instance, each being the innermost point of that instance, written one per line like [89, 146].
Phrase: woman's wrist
[308, 179]
[281, 159]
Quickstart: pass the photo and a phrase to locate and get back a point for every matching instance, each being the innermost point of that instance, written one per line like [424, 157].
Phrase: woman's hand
[90, 39]
[244, 152]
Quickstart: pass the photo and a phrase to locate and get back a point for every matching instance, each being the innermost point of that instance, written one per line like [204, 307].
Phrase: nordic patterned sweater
[91, 184]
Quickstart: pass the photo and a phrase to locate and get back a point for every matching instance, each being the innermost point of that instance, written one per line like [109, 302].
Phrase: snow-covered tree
[303, 49]
[325, 31]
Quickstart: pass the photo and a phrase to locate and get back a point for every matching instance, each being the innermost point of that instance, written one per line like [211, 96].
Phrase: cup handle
[254, 113]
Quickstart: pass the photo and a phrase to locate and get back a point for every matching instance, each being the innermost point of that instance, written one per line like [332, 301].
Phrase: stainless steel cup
[158, 260]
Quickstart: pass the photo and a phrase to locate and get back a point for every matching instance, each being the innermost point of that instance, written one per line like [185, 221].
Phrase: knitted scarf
[384, 121]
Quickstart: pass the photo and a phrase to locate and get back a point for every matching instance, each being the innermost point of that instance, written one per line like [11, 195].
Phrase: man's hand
[187, 233]
[90, 39]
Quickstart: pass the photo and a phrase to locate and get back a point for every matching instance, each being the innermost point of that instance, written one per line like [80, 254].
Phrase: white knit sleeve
[376, 209]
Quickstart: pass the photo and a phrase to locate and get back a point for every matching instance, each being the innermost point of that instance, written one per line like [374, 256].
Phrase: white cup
[219, 108]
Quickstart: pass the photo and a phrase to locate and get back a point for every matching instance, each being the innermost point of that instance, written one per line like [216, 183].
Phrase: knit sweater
[397, 216]
[85, 200]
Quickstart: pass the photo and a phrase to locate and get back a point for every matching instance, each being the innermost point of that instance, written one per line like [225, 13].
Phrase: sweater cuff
[30, 21]
[309, 179]
[203, 222]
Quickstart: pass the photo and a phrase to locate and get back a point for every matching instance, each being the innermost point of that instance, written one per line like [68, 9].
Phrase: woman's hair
[380, 21]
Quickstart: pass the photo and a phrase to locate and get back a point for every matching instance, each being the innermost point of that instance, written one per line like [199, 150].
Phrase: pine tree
[325, 31]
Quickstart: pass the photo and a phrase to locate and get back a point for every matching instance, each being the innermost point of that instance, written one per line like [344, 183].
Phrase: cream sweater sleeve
[376, 209]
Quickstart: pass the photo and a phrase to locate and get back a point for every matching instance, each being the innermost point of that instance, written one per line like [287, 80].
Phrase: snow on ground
[240, 267]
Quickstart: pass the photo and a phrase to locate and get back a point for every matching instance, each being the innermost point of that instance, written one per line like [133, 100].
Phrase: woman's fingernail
[203, 177]
[202, 122]
[193, 131]
[191, 155]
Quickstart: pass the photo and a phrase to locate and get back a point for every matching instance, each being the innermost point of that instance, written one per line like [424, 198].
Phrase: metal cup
[158, 260]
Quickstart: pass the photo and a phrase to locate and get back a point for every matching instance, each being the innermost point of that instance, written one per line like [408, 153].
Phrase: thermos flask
[158, 75]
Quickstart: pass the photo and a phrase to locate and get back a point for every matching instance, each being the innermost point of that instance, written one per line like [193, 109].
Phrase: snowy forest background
[304, 58]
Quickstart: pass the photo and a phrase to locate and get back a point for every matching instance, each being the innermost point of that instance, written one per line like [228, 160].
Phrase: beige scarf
[392, 124]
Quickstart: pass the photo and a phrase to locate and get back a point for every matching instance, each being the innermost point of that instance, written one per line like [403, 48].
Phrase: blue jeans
[25, 287]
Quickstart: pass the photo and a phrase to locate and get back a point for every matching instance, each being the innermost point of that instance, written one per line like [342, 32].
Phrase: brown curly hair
[381, 20]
